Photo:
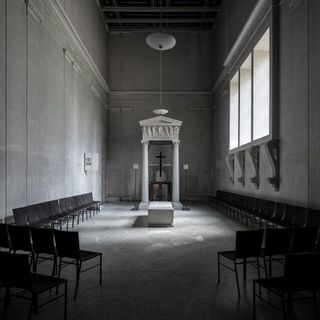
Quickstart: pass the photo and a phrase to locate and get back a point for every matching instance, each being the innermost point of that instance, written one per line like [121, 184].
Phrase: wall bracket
[230, 164]
[272, 149]
[254, 155]
[241, 157]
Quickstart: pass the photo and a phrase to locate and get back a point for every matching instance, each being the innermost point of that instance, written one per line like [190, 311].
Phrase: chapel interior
[159, 159]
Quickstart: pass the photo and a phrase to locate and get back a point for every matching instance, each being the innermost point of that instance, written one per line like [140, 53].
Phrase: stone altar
[160, 213]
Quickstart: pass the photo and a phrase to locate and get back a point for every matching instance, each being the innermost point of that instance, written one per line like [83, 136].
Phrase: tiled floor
[157, 273]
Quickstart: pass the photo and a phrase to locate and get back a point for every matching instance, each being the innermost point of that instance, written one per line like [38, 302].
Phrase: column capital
[144, 142]
[176, 142]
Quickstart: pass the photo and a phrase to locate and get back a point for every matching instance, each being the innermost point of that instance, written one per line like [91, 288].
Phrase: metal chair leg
[65, 300]
[218, 268]
[78, 278]
[237, 278]
[254, 300]
[100, 269]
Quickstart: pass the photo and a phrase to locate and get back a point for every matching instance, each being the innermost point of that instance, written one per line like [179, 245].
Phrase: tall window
[250, 96]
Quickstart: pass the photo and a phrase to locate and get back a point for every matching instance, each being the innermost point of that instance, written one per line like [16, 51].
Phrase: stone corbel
[230, 164]
[254, 155]
[272, 149]
[241, 157]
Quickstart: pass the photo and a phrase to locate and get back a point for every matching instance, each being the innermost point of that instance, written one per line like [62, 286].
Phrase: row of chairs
[278, 243]
[297, 246]
[57, 212]
[254, 211]
[43, 244]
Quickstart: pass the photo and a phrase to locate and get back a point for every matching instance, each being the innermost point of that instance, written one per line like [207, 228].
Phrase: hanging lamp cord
[160, 57]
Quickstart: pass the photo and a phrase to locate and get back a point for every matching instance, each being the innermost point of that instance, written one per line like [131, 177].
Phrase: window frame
[270, 22]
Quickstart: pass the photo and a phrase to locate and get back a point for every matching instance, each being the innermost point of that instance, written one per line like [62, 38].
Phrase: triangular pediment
[160, 120]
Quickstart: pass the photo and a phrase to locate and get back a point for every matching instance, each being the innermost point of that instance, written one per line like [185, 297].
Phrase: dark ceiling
[170, 15]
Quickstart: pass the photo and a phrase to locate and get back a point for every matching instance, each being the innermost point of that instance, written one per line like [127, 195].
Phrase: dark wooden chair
[44, 247]
[277, 245]
[20, 216]
[20, 238]
[304, 240]
[4, 237]
[301, 273]
[15, 274]
[248, 245]
[69, 253]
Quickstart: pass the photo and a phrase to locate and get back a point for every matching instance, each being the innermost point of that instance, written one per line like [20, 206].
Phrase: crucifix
[160, 157]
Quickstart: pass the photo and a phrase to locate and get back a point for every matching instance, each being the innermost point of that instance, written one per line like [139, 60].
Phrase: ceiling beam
[158, 9]
[117, 30]
[142, 20]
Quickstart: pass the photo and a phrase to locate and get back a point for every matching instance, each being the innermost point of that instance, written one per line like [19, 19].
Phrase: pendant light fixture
[160, 41]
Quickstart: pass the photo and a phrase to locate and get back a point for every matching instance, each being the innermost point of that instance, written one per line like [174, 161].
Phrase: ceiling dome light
[161, 41]
[160, 112]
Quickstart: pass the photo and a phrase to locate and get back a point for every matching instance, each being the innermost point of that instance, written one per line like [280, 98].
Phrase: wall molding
[255, 20]
[52, 15]
[72, 34]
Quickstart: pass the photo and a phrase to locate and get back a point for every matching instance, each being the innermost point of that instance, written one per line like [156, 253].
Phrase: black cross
[160, 157]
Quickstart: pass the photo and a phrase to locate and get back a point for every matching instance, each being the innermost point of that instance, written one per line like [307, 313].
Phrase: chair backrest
[20, 238]
[67, 243]
[260, 207]
[15, 270]
[85, 199]
[43, 240]
[41, 211]
[279, 210]
[300, 216]
[250, 204]
[73, 203]
[301, 271]
[64, 204]
[304, 240]
[4, 236]
[48, 209]
[20, 216]
[90, 197]
[313, 218]
[248, 243]
[269, 208]
[55, 207]
[32, 215]
[78, 201]
[278, 241]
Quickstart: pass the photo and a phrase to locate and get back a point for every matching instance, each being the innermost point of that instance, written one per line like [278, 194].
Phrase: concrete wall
[299, 115]
[87, 19]
[49, 115]
[133, 75]
[133, 66]
[195, 147]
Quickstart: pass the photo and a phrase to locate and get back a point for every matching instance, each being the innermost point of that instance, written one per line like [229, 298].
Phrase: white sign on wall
[91, 162]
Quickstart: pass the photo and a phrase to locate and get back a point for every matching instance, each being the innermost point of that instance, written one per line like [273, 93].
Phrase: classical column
[145, 172]
[175, 173]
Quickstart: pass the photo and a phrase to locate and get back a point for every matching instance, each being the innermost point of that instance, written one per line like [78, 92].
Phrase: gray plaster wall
[195, 148]
[134, 66]
[87, 19]
[49, 116]
[299, 115]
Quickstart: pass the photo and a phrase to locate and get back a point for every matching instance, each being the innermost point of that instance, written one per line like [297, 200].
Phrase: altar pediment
[160, 128]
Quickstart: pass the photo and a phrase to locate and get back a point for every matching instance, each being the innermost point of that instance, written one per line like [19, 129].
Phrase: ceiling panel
[146, 15]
